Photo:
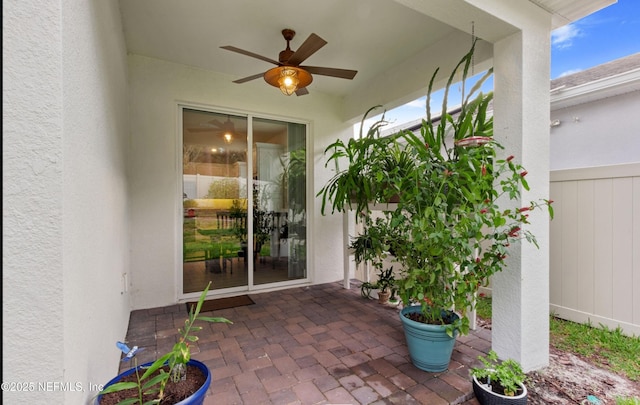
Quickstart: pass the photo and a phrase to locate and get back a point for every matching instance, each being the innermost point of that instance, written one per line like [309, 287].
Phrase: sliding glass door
[244, 209]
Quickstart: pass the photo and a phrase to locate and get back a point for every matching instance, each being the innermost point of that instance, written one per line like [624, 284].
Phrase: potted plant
[366, 288]
[499, 382]
[451, 227]
[386, 282]
[153, 382]
[363, 181]
[393, 298]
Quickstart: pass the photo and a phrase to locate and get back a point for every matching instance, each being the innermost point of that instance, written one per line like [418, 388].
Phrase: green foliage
[366, 288]
[358, 184]
[386, 280]
[190, 203]
[606, 347]
[374, 243]
[262, 220]
[627, 401]
[176, 360]
[483, 307]
[189, 230]
[294, 179]
[508, 374]
[224, 188]
[454, 222]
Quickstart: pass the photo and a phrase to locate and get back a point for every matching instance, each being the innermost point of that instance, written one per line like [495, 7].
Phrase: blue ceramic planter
[196, 399]
[430, 347]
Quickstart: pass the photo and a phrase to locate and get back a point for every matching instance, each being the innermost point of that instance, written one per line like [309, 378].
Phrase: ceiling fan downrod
[284, 56]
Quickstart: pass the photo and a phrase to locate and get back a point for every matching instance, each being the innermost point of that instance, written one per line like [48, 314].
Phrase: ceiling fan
[289, 76]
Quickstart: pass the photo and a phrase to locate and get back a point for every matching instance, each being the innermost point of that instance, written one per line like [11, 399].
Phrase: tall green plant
[450, 229]
[359, 183]
[455, 232]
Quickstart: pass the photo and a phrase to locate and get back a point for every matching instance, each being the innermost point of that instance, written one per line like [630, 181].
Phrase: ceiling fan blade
[333, 72]
[301, 92]
[216, 123]
[310, 46]
[198, 130]
[249, 78]
[253, 55]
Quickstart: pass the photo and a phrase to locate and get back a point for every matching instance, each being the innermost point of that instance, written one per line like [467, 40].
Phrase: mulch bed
[570, 379]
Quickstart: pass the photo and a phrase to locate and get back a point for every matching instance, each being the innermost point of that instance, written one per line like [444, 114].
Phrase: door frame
[179, 213]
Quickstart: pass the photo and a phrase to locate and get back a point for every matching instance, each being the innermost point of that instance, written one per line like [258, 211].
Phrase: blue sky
[606, 35]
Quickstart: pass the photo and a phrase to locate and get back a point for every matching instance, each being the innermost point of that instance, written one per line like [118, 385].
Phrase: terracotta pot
[383, 296]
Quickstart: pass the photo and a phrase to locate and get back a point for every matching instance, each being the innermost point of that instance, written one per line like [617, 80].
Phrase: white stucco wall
[597, 133]
[65, 217]
[96, 202]
[156, 89]
[32, 164]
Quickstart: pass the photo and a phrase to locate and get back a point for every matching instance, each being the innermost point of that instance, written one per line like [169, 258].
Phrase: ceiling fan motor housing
[285, 55]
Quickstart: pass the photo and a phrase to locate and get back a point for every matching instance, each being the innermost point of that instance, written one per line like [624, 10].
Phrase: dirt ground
[570, 379]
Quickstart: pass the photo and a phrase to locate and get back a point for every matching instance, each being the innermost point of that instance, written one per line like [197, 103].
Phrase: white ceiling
[362, 35]
[370, 36]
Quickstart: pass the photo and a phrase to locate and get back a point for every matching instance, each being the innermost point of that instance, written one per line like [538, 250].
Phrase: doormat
[222, 303]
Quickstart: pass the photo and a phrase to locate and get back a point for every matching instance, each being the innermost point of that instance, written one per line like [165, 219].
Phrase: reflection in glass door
[279, 201]
[242, 229]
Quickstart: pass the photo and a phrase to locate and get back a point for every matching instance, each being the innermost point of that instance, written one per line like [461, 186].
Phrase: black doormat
[222, 303]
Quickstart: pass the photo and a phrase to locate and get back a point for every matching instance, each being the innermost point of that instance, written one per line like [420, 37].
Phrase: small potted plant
[150, 382]
[393, 299]
[499, 382]
[386, 282]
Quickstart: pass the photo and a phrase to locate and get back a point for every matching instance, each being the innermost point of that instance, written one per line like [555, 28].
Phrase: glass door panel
[214, 200]
[244, 222]
[279, 201]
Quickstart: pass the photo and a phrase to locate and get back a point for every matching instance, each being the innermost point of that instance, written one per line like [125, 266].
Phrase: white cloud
[419, 103]
[563, 36]
[569, 72]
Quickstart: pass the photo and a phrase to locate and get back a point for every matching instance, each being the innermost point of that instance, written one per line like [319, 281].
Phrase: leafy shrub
[502, 377]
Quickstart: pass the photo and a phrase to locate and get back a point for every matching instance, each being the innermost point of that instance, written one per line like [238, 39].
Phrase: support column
[346, 256]
[520, 327]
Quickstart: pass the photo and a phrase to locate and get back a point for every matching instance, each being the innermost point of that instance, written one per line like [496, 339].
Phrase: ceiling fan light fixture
[228, 137]
[288, 79]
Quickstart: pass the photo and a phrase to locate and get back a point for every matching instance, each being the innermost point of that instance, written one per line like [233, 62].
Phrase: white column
[520, 327]
[345, 246]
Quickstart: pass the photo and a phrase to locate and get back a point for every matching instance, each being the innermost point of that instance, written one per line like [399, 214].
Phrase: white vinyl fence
[595, 246]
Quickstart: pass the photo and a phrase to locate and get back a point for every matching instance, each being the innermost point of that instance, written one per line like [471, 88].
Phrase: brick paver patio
[321, 344]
